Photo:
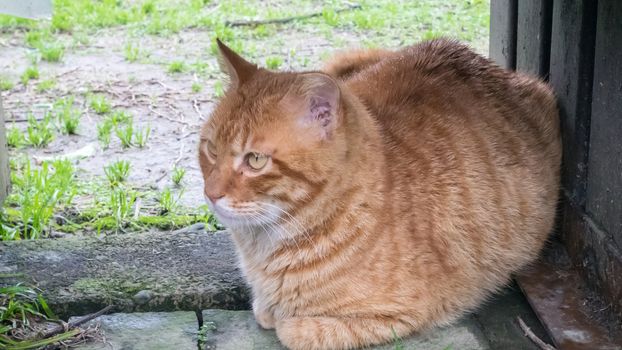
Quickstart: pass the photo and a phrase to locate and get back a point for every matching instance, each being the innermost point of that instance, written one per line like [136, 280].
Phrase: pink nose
[214, 196]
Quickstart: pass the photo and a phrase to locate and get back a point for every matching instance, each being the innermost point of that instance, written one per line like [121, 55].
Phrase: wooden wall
[577, 46]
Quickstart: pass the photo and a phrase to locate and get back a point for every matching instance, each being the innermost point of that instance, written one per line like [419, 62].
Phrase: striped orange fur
[387, 194]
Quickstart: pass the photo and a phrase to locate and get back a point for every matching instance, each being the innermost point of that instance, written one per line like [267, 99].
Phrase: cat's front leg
[263, 316]
[322, 332]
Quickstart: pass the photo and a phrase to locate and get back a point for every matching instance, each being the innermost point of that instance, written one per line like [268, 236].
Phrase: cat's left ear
[237, 68]
[315, 103]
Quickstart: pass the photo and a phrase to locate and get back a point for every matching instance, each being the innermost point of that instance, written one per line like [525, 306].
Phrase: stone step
[159, 271]
[237, 330]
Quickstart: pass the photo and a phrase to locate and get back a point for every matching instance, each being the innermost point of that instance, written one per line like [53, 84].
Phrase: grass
[168, 201]
[178, 175]
[100, 104]
[274, 62]
[39, 133]
[141, 136]
[121, 204]
[46, 85]
[176, 67]
[125, 134]
[14, 137]
[6, 84]
[117, 172]
[51, 52]
[131, 52]
[20, 308]
[103, 132]
[31, 73]
[67, 117]
[37, 194]
[196, 87]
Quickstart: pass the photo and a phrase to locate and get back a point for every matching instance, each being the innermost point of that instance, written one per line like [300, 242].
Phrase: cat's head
[271, 143]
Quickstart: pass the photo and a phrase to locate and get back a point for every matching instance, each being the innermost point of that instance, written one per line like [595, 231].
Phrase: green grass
[100, 104]
[38, 192]
[196, 87]
[20, 307]
[168, 201]
[14, 137]
[51, 52]
[31, 73]
[104, 129]
[39, 133]
[131, 52]
[141, 136]
[6, 84]
[125, 134]
[67, 117]
[274, 62]
[219, 90]
[46, 85]
[117, 172]
[176, 67]
[121, 204]
[178, 175]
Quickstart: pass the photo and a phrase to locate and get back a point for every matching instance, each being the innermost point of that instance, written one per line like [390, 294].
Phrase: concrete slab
[235, 330]
[158, 271]
[146, 331]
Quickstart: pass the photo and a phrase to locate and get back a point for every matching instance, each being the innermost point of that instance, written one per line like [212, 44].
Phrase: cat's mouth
[243, 217]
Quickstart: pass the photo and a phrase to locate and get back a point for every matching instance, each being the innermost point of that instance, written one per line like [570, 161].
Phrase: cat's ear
[238, 69]
[315, 103]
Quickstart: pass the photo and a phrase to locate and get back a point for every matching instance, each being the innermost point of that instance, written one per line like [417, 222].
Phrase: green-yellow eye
[256, 160]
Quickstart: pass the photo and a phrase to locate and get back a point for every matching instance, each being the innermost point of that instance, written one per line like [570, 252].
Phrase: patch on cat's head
[315, 102]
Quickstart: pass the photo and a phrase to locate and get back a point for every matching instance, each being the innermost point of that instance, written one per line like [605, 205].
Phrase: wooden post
[502, 47]
[5, 180]
[533, 36]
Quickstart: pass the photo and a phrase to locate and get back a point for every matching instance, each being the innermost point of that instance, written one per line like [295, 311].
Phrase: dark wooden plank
[604, 190]
[571, 68]
[533, 36]
[599, 260]
[502, 50]
[568, 309]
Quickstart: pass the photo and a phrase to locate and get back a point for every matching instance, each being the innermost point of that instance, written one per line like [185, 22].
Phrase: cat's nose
[214, 196]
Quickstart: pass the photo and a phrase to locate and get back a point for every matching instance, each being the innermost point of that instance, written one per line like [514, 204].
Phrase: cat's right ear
[238, 69]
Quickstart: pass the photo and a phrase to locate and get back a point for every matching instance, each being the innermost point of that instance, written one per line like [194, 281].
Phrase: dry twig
[254, 23]
[533, 337]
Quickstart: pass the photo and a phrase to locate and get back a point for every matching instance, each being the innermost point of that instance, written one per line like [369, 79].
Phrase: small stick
[196, 108]
[534, 338]
[255, 23]
[73, 324]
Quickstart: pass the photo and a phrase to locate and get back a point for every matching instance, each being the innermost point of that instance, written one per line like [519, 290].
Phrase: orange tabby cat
[388, 194]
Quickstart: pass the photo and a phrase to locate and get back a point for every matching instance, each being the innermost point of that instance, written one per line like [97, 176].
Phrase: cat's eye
[210, 151]
[256, 160]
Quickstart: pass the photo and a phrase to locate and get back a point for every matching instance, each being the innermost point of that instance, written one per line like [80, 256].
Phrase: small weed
[29, 74]
[117, 172]
[141, 136]
[178, 175]
[121, 203]
[37, 192]
[196, 87]
[14, 137]
[5, 84]
[51, 52]
[219, 91]
[202, 334]
[46, 85]
[274, 62]
[167, 201]
[125, 134]
[103, 132]
[34, 38]
[39, 133]
[330, 17]
[176, 67]
[148, 7]
[131, 52]
[120, 117]
[67, 117]
[100, 104]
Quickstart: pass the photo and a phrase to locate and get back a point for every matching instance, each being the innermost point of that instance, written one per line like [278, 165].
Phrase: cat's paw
[294, 334]
[264, 318]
